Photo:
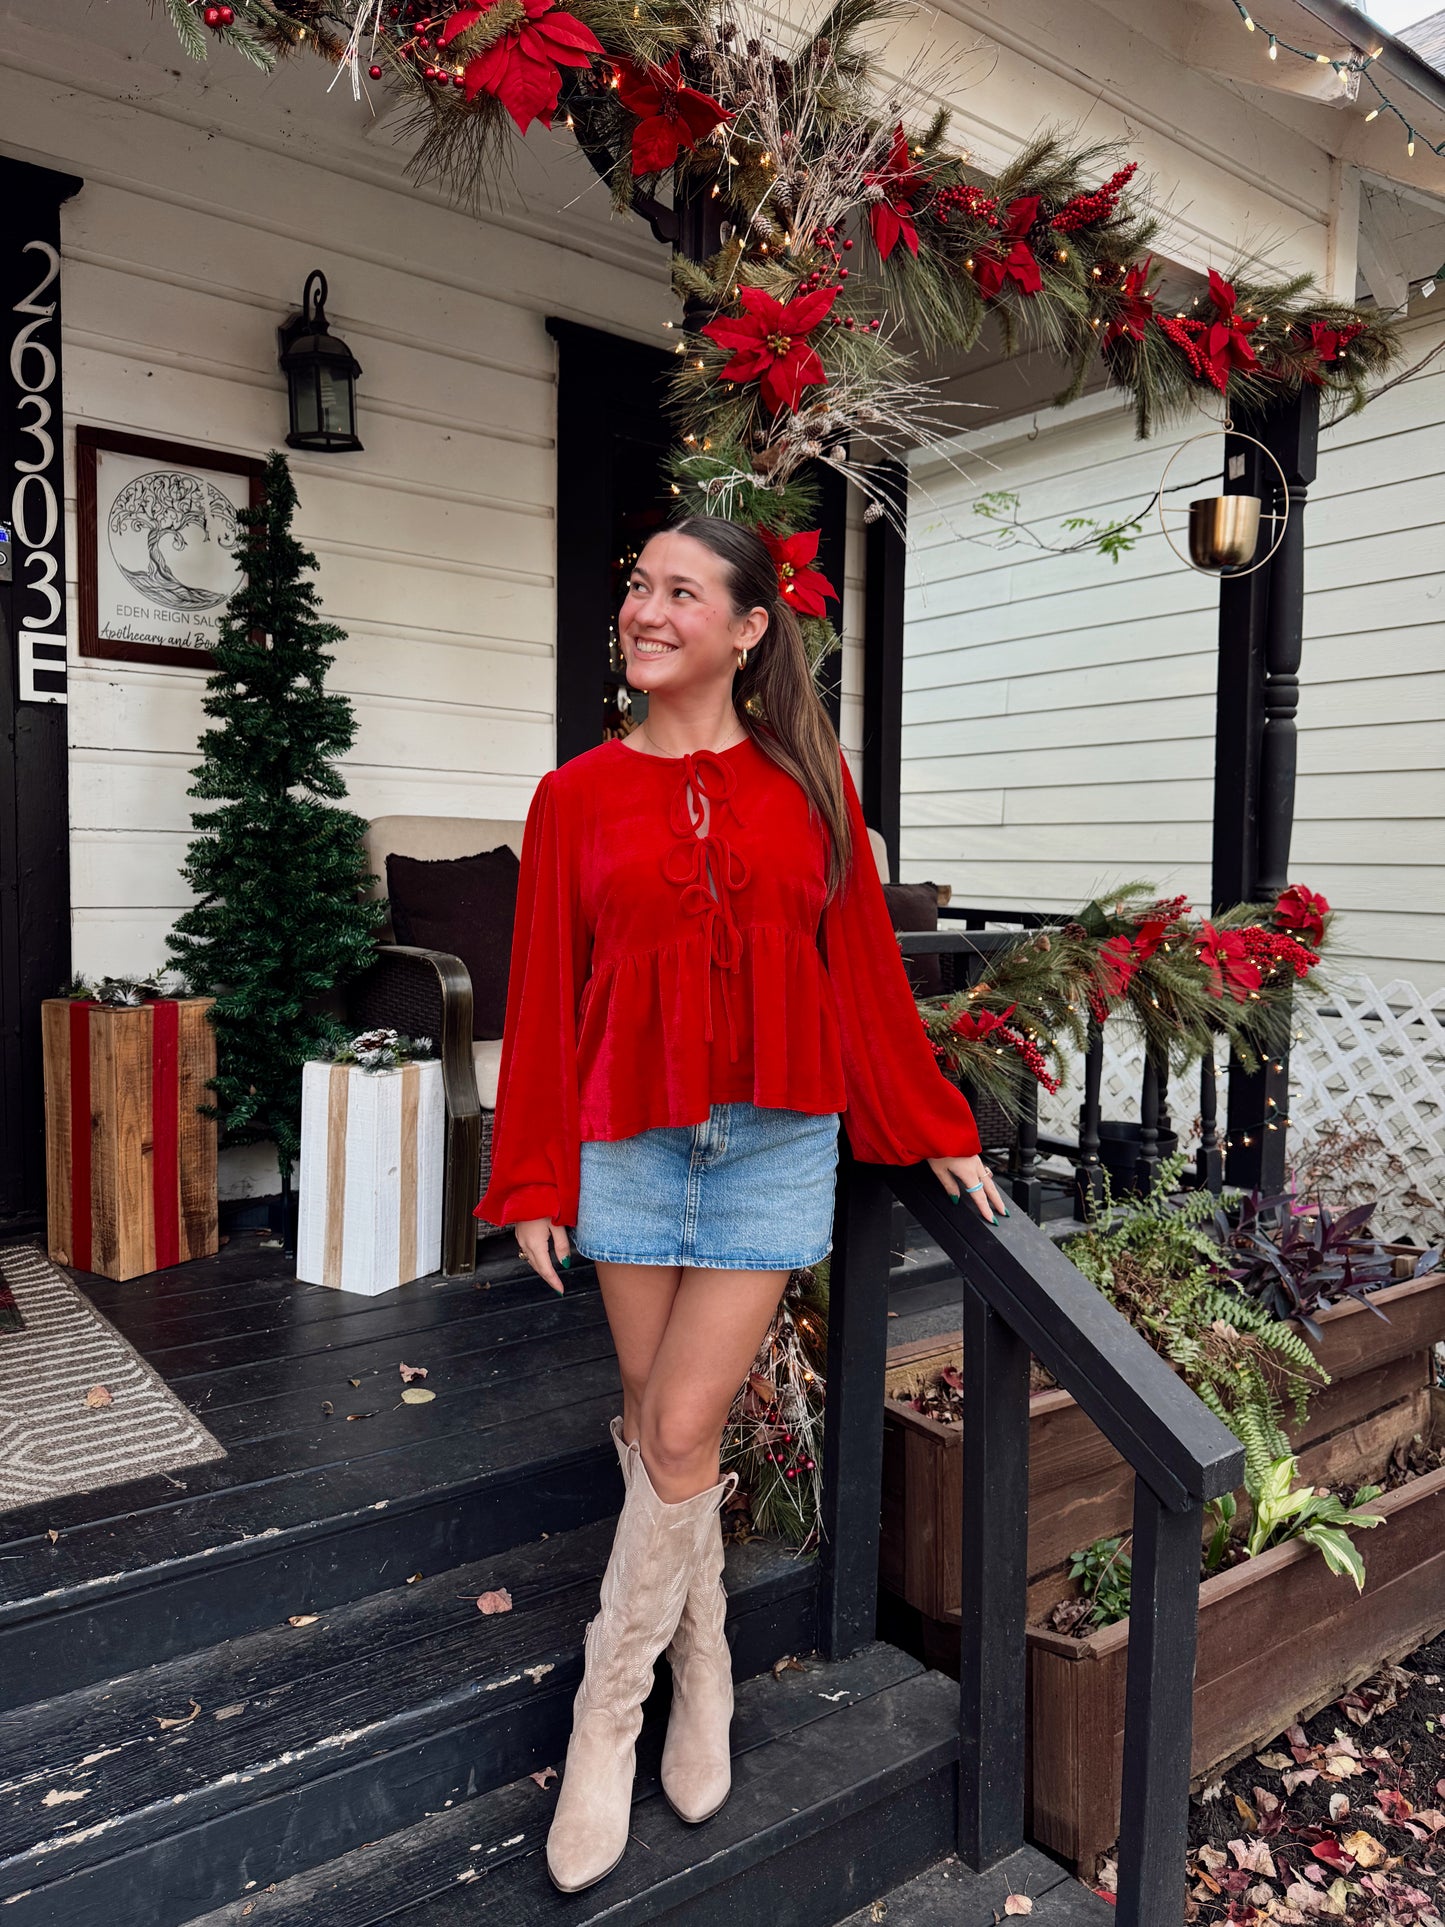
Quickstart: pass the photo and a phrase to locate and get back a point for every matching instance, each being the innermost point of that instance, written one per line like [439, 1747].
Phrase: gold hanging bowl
[1224, 529]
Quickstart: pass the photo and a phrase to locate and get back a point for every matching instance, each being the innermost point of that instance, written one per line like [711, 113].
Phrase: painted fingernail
[1005, 1210]
[954, 1196]
[565, 1263]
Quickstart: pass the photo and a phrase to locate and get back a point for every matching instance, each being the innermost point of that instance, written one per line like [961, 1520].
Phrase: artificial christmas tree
[281, 916]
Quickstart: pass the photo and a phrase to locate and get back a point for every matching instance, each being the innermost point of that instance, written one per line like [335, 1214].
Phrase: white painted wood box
[371, 1176]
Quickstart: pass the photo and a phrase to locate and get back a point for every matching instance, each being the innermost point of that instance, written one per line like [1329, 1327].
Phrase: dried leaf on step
[412, 1581]
[303, 1619]
[53, 1536]
[1018, 1904]
[545, 1777]
[417, 1395]
[879, 1910]
[185, 1718]
[1364, 1849]
[1276, 1762]
[499, 1601]
[353, 1381]
[355, 1415]
[328, 1410]
[97, 1397]
[1246, 1811]
[787, 1664]
[229, 1712]
[409, 1372]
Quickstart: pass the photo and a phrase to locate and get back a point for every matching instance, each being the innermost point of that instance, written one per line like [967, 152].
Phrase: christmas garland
[812, 226]
[1177, 982]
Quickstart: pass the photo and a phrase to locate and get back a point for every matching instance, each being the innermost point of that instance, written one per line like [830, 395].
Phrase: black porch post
[1261, 640]
[885, 562]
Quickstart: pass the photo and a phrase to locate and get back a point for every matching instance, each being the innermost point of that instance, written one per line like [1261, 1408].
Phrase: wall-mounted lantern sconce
[321, 375]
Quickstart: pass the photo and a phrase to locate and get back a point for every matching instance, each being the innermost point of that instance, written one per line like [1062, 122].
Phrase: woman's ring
[974, 1187]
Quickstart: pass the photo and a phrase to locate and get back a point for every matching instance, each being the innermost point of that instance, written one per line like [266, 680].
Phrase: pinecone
[1075, 930]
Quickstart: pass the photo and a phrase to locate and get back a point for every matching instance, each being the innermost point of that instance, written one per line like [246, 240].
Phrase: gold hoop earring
[743, 659]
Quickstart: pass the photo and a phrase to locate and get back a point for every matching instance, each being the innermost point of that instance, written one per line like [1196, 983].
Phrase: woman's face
[677, 624]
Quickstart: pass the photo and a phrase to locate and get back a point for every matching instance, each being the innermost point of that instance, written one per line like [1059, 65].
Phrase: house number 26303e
[35, 495]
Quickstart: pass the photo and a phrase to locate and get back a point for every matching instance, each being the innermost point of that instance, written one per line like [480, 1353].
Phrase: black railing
[1020, 1296]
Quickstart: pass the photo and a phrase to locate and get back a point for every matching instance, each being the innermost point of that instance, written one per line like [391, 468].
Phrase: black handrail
[1021, 1294]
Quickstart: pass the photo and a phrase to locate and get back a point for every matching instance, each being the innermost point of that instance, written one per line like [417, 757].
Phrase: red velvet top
[657, 971]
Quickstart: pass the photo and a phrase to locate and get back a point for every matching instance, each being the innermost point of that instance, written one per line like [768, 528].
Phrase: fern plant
[1155, 1263]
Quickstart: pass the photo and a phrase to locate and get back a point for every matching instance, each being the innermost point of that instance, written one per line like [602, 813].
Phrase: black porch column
[34, 766]
[885, 562]
[1261, 639]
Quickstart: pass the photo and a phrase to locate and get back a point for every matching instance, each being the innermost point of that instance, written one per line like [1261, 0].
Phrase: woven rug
[10, 1319]
[51, 1440]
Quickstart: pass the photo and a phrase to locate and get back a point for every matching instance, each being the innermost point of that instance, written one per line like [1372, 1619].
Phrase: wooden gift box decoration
[130, 1163]
[371, 1175]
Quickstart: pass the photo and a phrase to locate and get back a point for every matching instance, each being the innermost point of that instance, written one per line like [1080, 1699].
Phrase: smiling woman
[705, 984]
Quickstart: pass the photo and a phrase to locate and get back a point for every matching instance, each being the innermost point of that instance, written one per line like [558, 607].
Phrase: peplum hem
[644, 1061]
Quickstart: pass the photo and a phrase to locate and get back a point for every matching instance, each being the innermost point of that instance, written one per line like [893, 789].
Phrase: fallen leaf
[409, 1372]
[1212, 1858]
[229, 1712]
[57, 1798]
[545, 1777]
[1395, 1804]
[327, 1408]
[412, 1581]
[1364, 1849]
[1332, 1854]
[185, 1718]
[1339, 1805]
[303, 1619]
[1246, 1812]
[417, 1395]
[1276, 1762]
[354, 1415]
[1306, 1776]
[495, 1602]
[1018, 1904]
[353, 1381]
[879, 1910]
[97, 1397]
[787, 1664]
[1253, 1856]
[53, 1536]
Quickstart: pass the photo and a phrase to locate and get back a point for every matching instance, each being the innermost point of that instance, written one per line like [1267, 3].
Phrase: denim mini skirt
[751, 1189]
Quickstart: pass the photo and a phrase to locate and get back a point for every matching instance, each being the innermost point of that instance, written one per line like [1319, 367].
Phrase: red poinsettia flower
[1227, 343]
[523, 67]
[1302, 909]
[1225, 955]
[974, 1024]
[804, 586]
[1135, 304]
[1119, 960]
[891, 200]
[769, 340]
[670, 115]
[1011, 258]
[1327, 345]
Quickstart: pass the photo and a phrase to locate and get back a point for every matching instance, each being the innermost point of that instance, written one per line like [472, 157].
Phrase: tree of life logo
[173, 537]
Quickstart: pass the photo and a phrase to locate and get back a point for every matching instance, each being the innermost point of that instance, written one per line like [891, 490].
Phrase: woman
[703, 978]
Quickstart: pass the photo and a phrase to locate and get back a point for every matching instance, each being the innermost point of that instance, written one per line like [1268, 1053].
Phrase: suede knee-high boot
[643, 1593]
[697, 1758]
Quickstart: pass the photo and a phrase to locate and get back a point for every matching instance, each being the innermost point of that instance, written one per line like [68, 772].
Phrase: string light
[1356, 67]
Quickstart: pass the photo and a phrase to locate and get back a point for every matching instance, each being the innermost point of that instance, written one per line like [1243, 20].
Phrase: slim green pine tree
[279, 872]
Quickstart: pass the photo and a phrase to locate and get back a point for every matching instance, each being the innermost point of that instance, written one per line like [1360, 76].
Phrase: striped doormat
[51, 1440]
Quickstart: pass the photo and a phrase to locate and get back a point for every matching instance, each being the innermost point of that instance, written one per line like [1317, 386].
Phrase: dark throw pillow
[466, 905]
[914, 906]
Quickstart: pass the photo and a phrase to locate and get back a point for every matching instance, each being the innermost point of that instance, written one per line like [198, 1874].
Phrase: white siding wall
[1059, 711]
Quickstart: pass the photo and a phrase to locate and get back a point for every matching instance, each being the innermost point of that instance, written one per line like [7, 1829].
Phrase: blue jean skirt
[751, 1189]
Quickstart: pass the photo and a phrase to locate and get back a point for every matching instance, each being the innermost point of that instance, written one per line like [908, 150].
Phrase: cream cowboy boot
[643, 1593]
[696, 1758]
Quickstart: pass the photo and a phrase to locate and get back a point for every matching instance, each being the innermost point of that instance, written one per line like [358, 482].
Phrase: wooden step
[310, 1510]
[121, 1805]
[951, 1895]
[844, 1786]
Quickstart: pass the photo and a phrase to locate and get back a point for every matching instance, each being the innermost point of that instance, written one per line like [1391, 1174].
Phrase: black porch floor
[260, 1689]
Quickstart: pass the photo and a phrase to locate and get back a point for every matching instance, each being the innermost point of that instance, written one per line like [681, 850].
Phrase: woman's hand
[532, 1242]
[957, 1174]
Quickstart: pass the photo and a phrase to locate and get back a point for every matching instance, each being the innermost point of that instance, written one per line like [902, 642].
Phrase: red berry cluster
[1167, 910]
[1269, 948]
[799, 1461]
[218, 17]
[411, 26]
[826, 241]
[1088, 210]
[970, 201]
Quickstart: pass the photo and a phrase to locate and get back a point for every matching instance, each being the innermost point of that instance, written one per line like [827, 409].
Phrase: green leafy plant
[1113, 539]
[379, 1050]
[1104, 1573]
[1219, 1516]
[1284, 1510]
[1156, 1264]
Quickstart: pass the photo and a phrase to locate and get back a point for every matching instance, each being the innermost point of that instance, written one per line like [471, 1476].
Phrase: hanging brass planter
[1224, 529]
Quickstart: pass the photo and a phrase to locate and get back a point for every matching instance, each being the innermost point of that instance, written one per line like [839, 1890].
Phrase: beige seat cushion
[880, 855]
[487, 1057]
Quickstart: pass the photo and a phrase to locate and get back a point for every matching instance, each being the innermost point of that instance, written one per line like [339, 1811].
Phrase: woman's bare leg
[639, 1301]
[717, 1321]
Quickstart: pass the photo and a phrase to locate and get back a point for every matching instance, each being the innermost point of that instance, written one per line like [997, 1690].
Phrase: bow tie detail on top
[708, 869]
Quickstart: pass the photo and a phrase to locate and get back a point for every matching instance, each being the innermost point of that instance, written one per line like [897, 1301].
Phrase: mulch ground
[1340, 1820]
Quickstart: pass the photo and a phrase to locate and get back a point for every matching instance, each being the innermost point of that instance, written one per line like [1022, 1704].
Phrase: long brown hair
[794, 728]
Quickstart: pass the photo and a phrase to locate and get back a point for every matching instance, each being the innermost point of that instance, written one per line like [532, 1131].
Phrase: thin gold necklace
[643, 730]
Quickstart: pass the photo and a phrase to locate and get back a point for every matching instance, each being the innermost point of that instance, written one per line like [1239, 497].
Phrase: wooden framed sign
[159, 544]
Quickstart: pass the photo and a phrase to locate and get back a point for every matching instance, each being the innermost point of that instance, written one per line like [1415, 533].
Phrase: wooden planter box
[130, 1163]
[1081, 1490]
[1279, 1637]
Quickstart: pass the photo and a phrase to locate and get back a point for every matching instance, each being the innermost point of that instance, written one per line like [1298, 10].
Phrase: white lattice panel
[1373, 1058]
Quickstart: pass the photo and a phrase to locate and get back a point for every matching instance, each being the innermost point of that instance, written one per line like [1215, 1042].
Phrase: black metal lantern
[321, 376]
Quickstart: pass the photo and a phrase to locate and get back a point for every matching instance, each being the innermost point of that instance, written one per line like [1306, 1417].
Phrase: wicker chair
[428, 993]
